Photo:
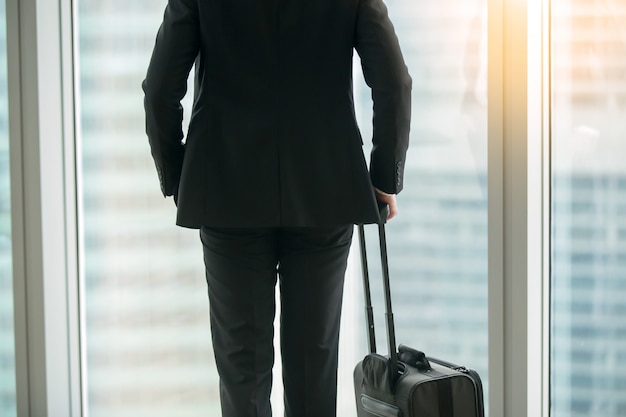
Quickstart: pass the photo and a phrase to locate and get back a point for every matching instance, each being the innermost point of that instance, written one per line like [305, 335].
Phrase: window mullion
[495, 171]
[538, 202]
[516, 210]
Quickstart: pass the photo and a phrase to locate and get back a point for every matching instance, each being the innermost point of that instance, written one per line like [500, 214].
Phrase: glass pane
[588, 352]
[148, 347]
[7, 342]
[438, 243]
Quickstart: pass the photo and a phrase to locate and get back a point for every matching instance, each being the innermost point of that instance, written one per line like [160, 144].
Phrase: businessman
[273, 174]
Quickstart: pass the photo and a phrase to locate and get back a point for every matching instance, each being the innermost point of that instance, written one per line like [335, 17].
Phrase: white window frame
[50, 381]
[43, 201]
[519, 199]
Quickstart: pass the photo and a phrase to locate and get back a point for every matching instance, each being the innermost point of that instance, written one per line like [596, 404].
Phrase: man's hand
[390, 200]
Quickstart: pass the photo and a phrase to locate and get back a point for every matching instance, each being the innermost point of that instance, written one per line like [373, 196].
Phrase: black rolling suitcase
[407, 383]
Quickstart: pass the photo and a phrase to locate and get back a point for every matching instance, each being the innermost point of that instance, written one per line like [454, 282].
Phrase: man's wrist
[382, 192]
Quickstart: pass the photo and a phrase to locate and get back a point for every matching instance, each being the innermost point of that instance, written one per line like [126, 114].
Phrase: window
[588, 148]
[438, 243]
[146, 340]
[7, 345]
[148, 346]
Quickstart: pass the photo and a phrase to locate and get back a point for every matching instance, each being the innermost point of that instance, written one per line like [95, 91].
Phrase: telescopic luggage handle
[391, 335]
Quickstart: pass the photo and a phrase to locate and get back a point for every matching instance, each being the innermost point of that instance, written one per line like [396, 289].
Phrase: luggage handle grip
[413, 357]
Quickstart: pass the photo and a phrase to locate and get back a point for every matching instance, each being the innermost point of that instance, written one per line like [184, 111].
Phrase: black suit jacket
[273, 139]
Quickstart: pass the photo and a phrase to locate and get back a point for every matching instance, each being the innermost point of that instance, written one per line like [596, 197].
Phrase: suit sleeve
[386, 74]
[176, 47]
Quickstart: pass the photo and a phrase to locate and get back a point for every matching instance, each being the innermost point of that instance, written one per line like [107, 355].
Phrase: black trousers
[242, 267]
